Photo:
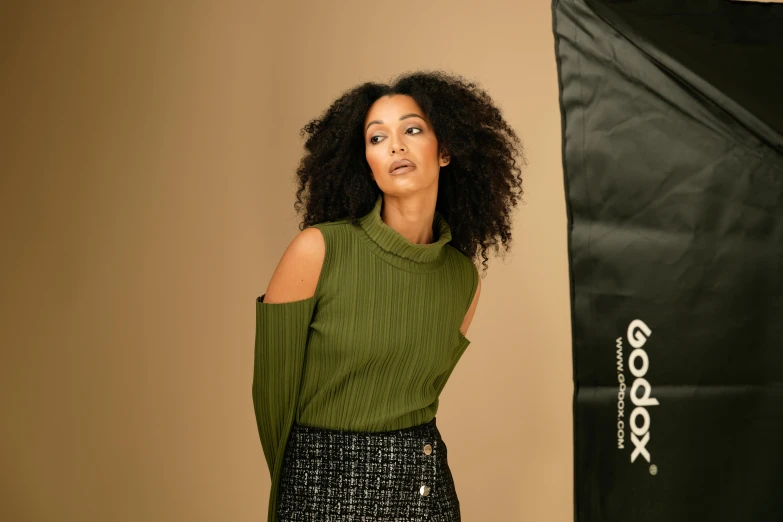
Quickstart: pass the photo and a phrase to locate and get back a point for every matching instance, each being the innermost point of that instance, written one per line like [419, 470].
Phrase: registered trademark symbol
[653, 469]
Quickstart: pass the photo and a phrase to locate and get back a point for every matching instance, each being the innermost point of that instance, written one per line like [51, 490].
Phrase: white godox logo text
[638, 333]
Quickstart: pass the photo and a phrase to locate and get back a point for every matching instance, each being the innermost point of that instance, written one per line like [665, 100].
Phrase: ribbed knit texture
[373, 348]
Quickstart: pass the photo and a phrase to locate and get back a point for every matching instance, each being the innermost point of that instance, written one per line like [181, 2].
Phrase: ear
[445, 158]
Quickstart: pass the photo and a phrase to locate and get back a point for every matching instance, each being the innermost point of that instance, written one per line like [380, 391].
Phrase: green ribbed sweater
[373, 348]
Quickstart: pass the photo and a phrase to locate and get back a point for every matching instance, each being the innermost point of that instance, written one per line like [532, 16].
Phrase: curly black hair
[483, 181]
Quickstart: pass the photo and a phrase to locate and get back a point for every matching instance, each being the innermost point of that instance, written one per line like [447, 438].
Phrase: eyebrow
[401, 118]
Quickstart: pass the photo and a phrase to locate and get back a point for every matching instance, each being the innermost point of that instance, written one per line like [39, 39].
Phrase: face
[395, 129]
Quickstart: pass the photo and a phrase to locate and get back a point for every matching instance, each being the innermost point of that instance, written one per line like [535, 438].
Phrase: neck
[411, 216]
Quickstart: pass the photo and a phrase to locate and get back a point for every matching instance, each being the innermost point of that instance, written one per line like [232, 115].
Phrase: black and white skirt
[348, 476]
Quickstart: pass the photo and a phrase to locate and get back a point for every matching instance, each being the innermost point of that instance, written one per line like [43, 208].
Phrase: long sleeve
[281, 340]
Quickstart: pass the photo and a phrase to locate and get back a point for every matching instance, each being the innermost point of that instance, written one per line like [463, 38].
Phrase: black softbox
[672, 127]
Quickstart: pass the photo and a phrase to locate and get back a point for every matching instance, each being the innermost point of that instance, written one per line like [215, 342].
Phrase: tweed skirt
[349, 476]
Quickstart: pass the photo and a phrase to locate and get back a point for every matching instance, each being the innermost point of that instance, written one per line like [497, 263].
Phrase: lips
[401, 163]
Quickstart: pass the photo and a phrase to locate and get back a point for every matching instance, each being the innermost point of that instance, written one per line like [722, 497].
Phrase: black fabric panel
[730, 50]
[673, 161]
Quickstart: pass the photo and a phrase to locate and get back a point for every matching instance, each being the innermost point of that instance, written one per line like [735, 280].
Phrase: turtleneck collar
[393, 247]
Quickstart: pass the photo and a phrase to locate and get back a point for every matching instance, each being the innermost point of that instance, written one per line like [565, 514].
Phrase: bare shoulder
[297, 273]
[471, 310]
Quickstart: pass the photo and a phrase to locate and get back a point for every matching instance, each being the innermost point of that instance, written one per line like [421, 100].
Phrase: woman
[366, 314]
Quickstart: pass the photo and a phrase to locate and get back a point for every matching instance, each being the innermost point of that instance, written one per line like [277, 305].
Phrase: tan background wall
[146, 196]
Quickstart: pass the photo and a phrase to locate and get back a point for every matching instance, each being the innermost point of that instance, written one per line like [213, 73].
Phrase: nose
[396, 144]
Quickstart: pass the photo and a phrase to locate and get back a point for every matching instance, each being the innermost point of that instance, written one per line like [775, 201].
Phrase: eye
[417, 129]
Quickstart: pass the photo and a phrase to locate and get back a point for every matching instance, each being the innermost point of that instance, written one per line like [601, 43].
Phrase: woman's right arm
[283, 316]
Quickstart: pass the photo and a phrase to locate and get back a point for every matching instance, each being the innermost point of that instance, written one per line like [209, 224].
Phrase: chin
[405, 184]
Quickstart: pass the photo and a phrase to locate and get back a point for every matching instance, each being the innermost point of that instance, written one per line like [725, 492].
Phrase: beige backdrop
[147, 158]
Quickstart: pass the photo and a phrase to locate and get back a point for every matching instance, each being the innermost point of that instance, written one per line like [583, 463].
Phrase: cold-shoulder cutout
[298, 272]
[472, 308]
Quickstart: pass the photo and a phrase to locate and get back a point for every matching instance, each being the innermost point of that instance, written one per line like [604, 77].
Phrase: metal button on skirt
[348, 476]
